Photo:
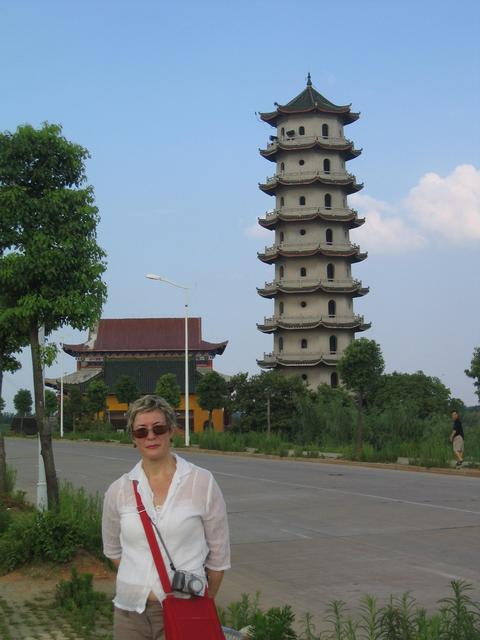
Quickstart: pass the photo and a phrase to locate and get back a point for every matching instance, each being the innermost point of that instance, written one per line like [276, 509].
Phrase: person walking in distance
[457, 438]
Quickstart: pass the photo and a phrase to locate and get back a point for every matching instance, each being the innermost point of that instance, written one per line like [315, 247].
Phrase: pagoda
[313, 288]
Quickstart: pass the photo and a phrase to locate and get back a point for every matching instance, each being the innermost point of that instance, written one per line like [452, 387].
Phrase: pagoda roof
[347, 181]
[346, 149]
[144, 336]
[272, 289]
[351, 219]
[271, 254]
[309, 101]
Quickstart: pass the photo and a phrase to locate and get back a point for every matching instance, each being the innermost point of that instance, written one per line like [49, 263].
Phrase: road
[306, 533]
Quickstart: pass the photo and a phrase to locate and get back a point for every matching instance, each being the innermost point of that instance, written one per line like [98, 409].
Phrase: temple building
[145, 349]
[313, 288]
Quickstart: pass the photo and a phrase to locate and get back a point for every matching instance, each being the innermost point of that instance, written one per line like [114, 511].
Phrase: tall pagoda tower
[313, 288]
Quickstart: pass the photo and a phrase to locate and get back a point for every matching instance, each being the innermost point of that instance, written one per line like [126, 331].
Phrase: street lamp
[153, 276]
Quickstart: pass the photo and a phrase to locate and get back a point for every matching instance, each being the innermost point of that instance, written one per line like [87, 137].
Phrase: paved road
[307, 533]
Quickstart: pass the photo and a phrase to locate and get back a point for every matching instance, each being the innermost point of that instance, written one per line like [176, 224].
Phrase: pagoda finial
[309, 80]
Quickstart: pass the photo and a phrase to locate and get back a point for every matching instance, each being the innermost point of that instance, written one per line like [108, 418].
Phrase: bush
[77, 598]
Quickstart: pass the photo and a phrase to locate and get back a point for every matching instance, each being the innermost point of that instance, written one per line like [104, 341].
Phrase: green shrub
[5, 518]
[84, 512]
[77, 598]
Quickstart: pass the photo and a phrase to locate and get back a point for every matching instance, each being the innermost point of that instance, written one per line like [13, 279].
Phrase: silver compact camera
[186, 582]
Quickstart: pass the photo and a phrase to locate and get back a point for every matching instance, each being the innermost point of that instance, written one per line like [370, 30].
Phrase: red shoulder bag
[184, 619]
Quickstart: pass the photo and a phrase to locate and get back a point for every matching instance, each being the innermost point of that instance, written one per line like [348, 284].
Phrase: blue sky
[164, 96]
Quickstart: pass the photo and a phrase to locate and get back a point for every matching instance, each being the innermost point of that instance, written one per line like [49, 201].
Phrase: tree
[126, 389]
[360, 368]
[426, 395]
[474, 371]
[51, 403]
[212, 393]
[97, 392]
[50, 263]
[23, 404]
[168, 388]
[75, 407]
[267, 401]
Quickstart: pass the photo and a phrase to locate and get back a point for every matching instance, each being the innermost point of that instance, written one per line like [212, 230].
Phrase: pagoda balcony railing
[312, 282]
[300, 248]
[274, 320]
[305, 355]
[295, 176]
[301, 140]
[295, 212]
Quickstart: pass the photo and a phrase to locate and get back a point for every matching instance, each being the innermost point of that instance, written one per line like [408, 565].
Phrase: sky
[165, 96]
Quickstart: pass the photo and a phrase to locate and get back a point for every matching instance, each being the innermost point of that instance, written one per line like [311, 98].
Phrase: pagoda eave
[353, 254]
[274, 117]
[353, 221]
[277, 361]
[356, 290]
[348, 183]
[347, 150]
[354, 325]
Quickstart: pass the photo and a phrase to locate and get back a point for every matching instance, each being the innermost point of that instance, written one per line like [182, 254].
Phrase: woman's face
[153, 446]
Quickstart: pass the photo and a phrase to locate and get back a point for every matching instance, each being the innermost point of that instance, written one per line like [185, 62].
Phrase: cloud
[385, 231]
[448, 208]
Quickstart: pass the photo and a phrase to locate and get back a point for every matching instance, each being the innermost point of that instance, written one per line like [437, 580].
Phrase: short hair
[147, 404]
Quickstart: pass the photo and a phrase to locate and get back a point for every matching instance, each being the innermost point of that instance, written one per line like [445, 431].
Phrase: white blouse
[192, 521]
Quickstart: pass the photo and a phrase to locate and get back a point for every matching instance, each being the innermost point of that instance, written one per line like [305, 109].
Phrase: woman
[186, 505]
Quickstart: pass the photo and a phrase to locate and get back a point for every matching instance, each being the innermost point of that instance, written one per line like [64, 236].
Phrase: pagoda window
[303, 272]
[304, 343]
[326, 165]
[301, 131]
[303, 304]
[302, 232]
[282, 236]
[302, 200]
[280, 343]
[282, 132]
[328, 200]
[332, 308]
[304, 377]
[281, 271]
[281, 308]
[282, 166]
[330, 271]
[282, 201]
[329, 236]
[333, 344]
[301, 162]
[324, 130]
[334, 380]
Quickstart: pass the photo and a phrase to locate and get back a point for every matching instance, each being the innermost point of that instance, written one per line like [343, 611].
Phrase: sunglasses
[157, 429]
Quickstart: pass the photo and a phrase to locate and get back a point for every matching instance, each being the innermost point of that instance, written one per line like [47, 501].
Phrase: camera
[188, 583]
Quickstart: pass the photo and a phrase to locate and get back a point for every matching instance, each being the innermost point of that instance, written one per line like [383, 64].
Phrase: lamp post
[42, 499]
[153, 276]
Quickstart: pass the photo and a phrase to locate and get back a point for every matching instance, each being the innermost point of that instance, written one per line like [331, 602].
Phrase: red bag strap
[152, 541]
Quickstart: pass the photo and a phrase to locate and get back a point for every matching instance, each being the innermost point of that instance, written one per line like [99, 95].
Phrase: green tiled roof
[146, 372]
[309, 100]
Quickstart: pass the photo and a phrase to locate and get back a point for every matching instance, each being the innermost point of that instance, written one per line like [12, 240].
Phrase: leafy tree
[23, 404]
[96, 399]
[50, 263]
[426, 395]
[168, 388]
[212, 393]
[360, 369]
[267, 401]
[51, 403]
[474, 371]
[126, 389]
[75, 407]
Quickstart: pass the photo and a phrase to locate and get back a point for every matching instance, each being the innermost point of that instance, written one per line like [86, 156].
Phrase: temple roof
[144, 335]
[308, 101]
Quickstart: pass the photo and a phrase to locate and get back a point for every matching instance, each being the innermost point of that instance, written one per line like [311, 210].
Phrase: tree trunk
[359, 446]
[210, 424]
[42, 423]
[269, 422]
[3, 466]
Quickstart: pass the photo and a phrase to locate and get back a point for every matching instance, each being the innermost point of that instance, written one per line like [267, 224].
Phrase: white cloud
[385, 231]
[448, 207]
